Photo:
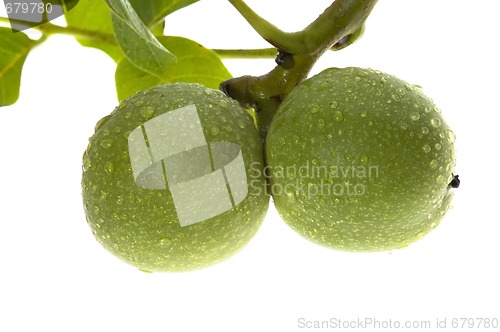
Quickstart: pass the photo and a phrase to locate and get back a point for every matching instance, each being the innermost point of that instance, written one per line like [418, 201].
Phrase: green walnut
[169, 179]
[360, 161]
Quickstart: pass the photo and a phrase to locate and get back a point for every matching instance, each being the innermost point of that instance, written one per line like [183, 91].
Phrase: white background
[55, 277]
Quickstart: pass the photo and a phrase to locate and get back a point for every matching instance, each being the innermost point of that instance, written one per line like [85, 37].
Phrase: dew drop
[214, 131]
[86, 164]
[291, 196]
[109, 167]
[147, 112]
[107, 143]
[122, 105]
[338, 116]
[451, 136]
[119, 200]
[96, 209]
[321, 123]
[364, 114]
[440, 179]
[415, 117]
[427, 110]
[334, 104]
[395, 97]
[166, 242]
[314, 108]
[433, 164]
[435, 122]
[139, 103]
[324, 86]
[438, 146]
[101, 122]
[357, 78]
[241, 124]
[103, 196]
[228, 129]
[425, 130]
[363, 159]
[426, 148]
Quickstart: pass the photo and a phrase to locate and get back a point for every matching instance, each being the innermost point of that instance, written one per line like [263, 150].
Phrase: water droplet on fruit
[103, 196]
[147, 112]
[403, 126]
[107, 143]
[228, 129]
[438, 146]
[378, 92]
[314, 108]
[408, 87]
[334, 104]
[291, 196]
[338, 116]
[357, 78]
[433, 225]
[426, 148]
[96, 209]
[415, 117]
[214, 131]
[364, 114]
[109, 167]
[435, 122]
[325, 86]
[321, 123]
[451, 136]
[86, 164]
[139, 103]
[425, 130]
[166, 242]
[363, 159]
[427, 110]
[101, 122]
[433, 164]
[122, 105]
[241, 124]
[119, 200]
[440, 179]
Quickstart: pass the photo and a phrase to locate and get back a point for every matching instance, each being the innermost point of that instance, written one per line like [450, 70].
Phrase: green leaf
[195, 64]
[95, 16]
[153, 12]
[14, 48]
[137, 42]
